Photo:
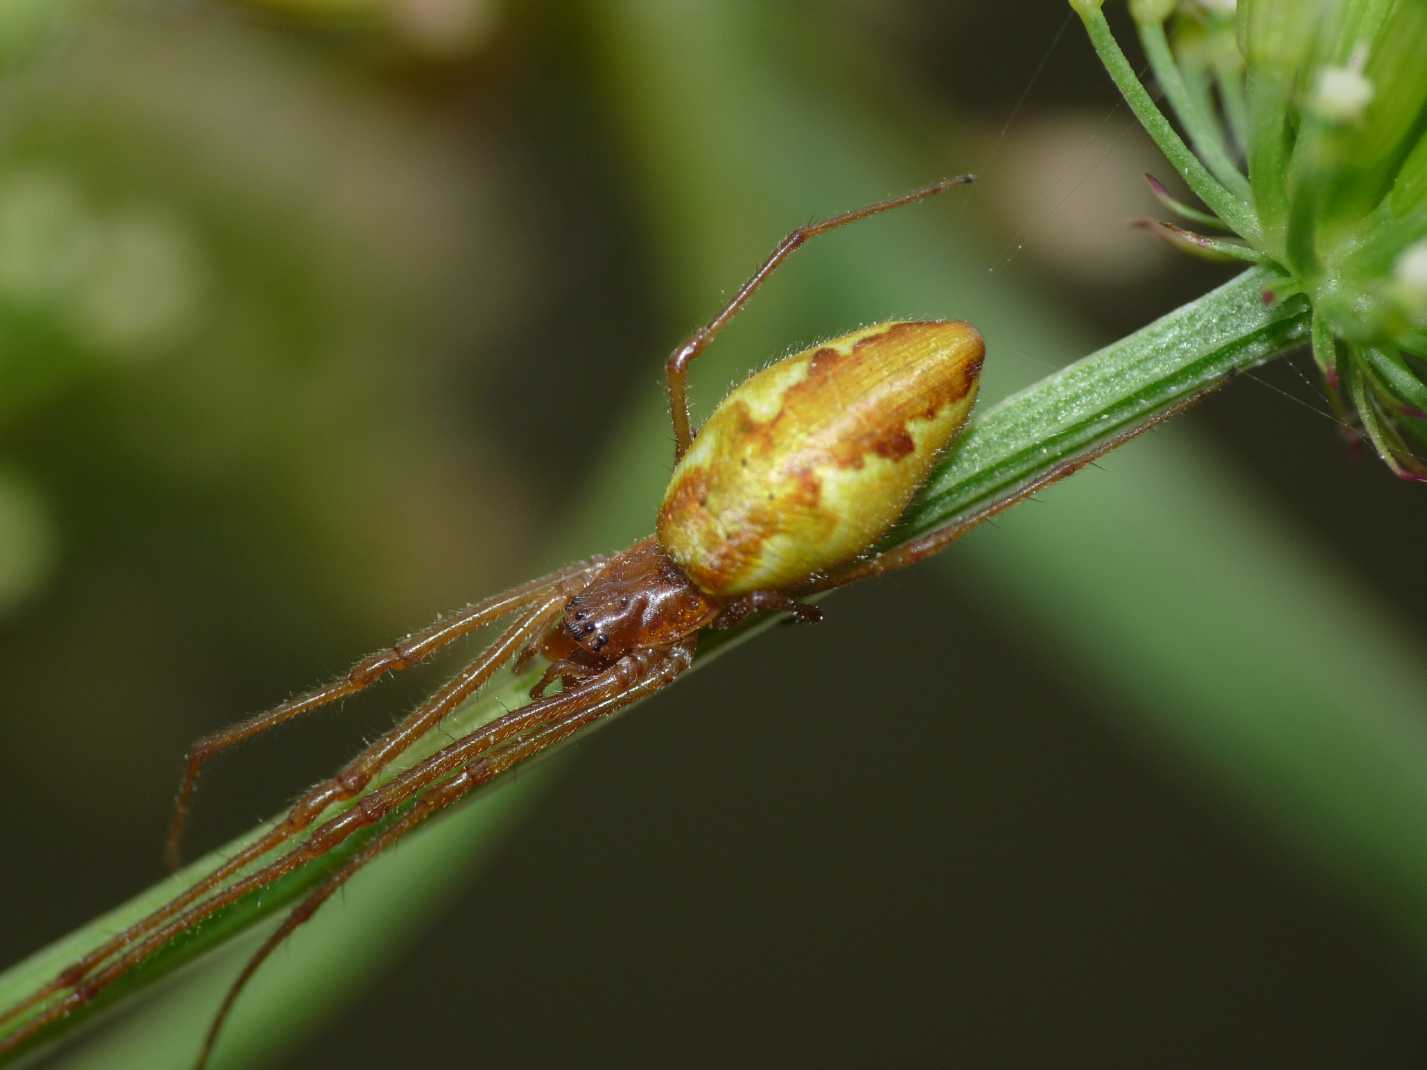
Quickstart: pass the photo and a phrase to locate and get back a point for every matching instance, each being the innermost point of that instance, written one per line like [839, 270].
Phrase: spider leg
[474, 774]
[938, 539]
[551, 674]
[346, 784]
[677, 366]
[626, 681]
[410, 651]
[769, 601]
[571, 674]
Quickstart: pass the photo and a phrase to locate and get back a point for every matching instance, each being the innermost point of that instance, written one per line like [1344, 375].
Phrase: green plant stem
[1237, 214]
[1394, 373]
[1125, 386]
[1236, 106]
[1203, 130]
[1268, 150]
[1048, 428]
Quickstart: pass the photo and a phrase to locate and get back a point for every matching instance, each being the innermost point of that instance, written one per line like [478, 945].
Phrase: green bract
[1306, 131]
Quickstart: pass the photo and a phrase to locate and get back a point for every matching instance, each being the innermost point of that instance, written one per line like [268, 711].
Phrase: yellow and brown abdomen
[811, 460]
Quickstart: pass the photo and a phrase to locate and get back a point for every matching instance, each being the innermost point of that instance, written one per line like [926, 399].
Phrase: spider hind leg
[115, 957]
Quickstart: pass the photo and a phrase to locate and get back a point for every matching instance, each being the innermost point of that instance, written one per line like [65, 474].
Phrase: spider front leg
[633, 678]
[677, 366]
[410, 651]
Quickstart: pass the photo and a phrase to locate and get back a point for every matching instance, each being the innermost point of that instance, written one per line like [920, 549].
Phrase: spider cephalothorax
[640, 598]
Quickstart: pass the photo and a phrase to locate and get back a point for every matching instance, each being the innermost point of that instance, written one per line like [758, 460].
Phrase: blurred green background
[320, 316]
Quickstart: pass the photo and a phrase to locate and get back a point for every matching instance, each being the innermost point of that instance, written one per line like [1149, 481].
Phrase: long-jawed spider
[782, 494]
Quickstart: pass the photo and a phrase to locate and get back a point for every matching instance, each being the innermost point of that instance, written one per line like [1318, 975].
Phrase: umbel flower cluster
[1304, 128]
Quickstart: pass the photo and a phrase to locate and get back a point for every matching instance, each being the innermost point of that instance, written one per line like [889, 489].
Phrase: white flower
[1342, 94]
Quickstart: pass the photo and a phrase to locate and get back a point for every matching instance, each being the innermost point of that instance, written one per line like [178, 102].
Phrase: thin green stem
[1204, 246]
[1030, 437]
[1325, 354]
[1269, 143]
[1397, 377]
[1325, 349]
[1179, 208]
[1385, 439]
[1070, 414]
[1236, 106]
[1236, 213]
[1204, 132]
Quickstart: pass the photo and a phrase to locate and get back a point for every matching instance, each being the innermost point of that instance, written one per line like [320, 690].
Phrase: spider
[782, 494]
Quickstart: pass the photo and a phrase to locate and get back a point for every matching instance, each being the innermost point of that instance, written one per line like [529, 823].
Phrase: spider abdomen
[810, 461]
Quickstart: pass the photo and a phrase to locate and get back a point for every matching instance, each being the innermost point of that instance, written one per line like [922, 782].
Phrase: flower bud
[1308, 144]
